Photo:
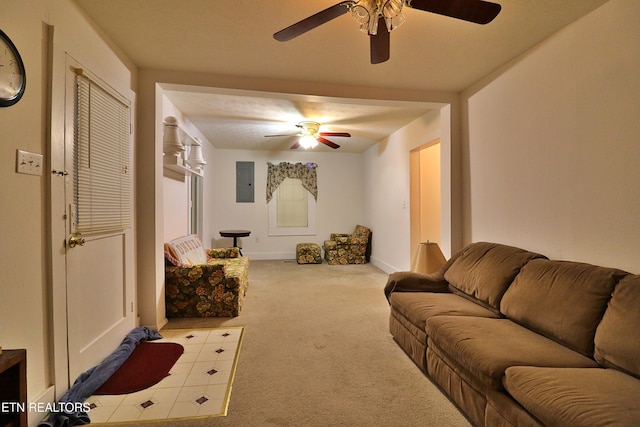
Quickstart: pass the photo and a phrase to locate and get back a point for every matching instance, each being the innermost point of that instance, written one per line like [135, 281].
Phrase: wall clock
[13, 78]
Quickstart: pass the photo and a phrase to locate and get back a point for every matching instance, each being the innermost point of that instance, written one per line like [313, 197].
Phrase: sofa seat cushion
[233, 267]
[576, 397]
[417, 307]
[617, 342]
[483, 348]
[562, 300]
[483, 271]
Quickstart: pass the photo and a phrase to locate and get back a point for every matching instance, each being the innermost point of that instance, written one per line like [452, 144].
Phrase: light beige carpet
[316, 351]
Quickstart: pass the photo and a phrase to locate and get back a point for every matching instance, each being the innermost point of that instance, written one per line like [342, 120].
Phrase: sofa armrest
[197, 273]
[223, 253]
[409, 281]
[206, 290]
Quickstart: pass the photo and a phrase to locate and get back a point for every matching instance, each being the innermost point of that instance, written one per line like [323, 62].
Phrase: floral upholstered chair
[354, 248]
[204, 283]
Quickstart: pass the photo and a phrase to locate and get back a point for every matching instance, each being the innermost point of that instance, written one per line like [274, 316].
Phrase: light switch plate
[29, 163]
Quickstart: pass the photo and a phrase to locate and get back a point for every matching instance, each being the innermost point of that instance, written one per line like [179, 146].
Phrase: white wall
[175, 187]
[387, 191]
[552, 151]
[339, 205]
[176, 208]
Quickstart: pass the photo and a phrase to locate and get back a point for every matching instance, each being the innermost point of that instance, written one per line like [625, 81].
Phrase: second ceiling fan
[310, 136]
[378, 17]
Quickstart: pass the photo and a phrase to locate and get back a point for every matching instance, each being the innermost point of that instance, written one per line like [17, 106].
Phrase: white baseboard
[47, 397]
[387, 268]
[269, 255]
[163, 323]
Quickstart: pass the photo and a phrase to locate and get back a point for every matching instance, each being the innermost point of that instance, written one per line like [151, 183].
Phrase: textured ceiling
[234, 37]
[241, 120]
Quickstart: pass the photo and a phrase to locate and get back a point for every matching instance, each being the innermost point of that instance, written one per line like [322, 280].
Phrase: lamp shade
[428, 258]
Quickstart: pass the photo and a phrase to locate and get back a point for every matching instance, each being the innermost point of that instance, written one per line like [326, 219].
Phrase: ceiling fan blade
[477, 11]
[327, 142]
[295, 145]
[345, 134]
[380, 44]
[288, 134]
[313, 21]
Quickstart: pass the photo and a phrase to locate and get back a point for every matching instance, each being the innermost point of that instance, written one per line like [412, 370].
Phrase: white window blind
[292, 204]
[102, 175]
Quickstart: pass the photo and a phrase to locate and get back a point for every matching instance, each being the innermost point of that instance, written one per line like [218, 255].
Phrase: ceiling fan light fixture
[366, 13]
[369, 14]
[309, 128]
[308, 141]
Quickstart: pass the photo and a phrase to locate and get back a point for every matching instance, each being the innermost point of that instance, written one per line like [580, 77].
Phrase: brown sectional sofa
[516, 339]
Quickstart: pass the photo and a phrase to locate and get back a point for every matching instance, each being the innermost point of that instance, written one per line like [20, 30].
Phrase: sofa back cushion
[562, 300]
[617, 342]
[361, 232]
[483, 271]
[187, 250]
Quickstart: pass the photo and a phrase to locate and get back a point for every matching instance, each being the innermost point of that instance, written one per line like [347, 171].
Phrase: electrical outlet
[29, 163]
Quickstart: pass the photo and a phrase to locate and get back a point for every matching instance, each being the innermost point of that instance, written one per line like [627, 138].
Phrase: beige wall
[28, 279]
[551, 145]
[23, 219]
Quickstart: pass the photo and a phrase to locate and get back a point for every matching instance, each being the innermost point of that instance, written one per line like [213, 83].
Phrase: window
[292, 212]
[195, 205]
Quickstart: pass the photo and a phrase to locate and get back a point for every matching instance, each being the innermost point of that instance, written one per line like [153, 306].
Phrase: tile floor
[199, 384]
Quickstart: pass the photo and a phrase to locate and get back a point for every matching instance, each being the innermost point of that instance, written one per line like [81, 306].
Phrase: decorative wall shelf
[182, 152]
[177, 164]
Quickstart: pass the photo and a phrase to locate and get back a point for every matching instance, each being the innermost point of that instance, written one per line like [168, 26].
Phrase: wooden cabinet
[13, 388]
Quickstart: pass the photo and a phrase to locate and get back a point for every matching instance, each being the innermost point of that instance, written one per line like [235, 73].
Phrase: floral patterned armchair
[204, 283]
[354, 248]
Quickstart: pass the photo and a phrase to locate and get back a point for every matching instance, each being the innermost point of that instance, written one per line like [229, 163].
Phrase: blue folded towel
[88, 382]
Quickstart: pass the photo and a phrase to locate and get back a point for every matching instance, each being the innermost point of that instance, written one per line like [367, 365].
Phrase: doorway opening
[425, 195]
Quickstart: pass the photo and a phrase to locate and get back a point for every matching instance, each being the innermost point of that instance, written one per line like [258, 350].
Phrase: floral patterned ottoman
[308, 253]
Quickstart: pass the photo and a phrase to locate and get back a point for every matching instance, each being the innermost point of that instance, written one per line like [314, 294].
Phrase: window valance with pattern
[277, 173]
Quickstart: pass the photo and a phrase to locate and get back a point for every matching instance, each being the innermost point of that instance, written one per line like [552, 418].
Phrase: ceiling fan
[310, 136]
[378, 17]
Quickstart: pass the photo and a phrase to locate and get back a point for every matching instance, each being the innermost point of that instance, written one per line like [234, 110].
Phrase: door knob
[76, 241]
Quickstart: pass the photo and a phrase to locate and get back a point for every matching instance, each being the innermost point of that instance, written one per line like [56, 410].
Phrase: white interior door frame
[58, 216]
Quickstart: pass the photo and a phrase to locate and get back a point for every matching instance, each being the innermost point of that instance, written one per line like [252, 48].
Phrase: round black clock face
[13, 79]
